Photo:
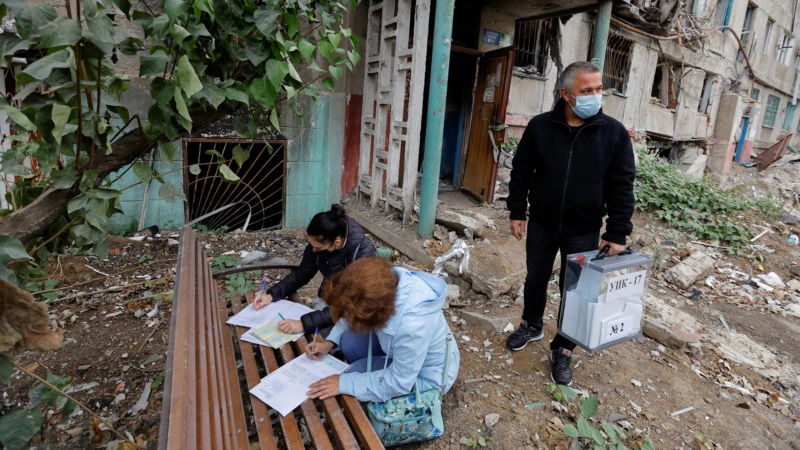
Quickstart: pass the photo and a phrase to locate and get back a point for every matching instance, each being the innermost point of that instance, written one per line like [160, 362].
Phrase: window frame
[768, 36]
[773, 115]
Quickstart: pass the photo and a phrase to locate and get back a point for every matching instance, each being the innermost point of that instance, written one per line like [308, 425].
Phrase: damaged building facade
[444, 86]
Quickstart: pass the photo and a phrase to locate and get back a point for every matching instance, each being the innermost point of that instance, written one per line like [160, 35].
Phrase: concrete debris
[509, 328]
[670, 336]
[453, 292]
[492, 419]
[485, 323]
[636, 383]
[460, 221]
[614, 417]
[635, 407]
[794, 284]
[698, 168]
[497, 269]
[788, 219]
[690, 270]
[172, 242]
[440, 233]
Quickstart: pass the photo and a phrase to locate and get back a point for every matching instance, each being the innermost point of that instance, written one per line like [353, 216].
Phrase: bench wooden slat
[263, 425]
[204, 387]
[334, 413]
[182, 384]
[315, 427]
[233, 405]
[239, 421]
[369, 438]
[288, 423]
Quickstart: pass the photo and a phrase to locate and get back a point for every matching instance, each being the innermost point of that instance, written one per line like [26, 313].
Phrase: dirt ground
[121, 335]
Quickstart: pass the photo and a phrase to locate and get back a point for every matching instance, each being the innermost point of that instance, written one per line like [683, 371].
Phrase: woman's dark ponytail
[329, 224]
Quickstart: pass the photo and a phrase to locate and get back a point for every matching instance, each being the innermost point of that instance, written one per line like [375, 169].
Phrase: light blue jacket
[414, 337]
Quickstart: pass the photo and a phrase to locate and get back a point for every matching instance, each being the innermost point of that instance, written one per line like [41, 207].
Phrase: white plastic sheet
[459, 250]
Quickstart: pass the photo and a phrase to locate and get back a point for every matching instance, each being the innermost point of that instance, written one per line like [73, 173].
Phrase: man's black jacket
[572, 177]
[329, 264]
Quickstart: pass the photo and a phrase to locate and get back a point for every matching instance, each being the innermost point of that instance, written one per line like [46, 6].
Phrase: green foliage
[510, 145]
[238, 55]
[474, 443]
[691, 206]
[204, 229]
[146, 259]
[18, 426]
[607, 437]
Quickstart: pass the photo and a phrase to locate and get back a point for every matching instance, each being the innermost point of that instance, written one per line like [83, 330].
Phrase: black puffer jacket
[329, 264]
[572, 177]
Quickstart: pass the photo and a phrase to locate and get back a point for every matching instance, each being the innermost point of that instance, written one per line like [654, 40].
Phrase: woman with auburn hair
[401, 312]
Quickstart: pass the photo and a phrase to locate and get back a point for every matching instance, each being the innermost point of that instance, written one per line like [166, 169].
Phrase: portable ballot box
[603, 300]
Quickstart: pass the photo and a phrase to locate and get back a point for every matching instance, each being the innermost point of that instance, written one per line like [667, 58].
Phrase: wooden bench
[206, 403]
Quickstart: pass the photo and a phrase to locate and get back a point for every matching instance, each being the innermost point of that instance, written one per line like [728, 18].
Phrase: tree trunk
[35, 219]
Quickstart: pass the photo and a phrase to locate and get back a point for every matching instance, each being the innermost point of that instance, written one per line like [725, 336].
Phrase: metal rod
[437, 99]
[143, 211]
[207, 191]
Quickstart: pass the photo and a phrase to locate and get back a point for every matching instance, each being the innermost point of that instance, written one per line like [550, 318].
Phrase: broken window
[723, 14]
[708, 94]
[257, 197]
[767, 36]
[747, 29]
[530, 46]
[786, 43]
[788, 116]
[755, 93]
[771, 113]
[618, 63]
[666, 84]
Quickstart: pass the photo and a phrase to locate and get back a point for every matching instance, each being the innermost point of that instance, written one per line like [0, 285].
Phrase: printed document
[286, 388]
[253, 318]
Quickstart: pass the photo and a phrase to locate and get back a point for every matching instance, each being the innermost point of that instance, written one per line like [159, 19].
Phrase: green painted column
[437, 97]
[600, 38]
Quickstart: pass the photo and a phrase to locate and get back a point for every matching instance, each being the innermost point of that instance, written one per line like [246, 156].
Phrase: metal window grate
[618, 62]
[788, 116]
[755, 94]
[771, 113]
[530, 46]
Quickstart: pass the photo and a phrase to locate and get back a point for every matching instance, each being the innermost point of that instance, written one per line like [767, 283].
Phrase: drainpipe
[600, 38]
[434, 131]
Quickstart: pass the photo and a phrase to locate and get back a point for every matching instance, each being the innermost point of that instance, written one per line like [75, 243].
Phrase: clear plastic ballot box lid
[603, 299]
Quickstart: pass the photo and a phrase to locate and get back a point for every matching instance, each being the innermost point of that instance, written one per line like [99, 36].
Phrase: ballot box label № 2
[626, 285]
[618, 329]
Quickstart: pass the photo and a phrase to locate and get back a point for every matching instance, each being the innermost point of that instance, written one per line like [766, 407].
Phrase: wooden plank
[205, 423]
[181, 385]
[263, 426]
[289, 425]
[313, 421]
[231, 405]
[334, 413]
[366, 433]
[415, 101]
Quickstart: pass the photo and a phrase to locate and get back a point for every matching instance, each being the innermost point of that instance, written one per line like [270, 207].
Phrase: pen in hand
[281, 316]
[314, 343]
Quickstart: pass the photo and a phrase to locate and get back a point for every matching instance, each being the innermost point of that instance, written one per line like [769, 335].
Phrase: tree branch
[35, 219]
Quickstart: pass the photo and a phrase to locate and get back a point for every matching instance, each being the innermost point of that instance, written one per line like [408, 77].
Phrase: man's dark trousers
[541, 247]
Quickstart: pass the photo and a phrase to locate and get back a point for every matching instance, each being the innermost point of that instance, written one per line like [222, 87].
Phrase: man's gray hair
[572, 71]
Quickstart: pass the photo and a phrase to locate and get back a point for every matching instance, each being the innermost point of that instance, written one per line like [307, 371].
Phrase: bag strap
[369, 354]
[446, 361]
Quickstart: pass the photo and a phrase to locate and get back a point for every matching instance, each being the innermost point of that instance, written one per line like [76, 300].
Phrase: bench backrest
[202, 407]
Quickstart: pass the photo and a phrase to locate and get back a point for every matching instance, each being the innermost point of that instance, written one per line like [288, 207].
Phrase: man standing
[573, 165]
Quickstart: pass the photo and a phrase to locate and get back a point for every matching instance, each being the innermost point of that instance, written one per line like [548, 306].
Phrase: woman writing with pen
[334, 242]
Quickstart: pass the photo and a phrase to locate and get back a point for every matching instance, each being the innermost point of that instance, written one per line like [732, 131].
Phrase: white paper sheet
[252, 318]
[286, 388]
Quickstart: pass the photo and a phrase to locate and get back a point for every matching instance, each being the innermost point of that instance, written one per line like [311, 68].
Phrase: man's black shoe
[561, 372]
[524, 334]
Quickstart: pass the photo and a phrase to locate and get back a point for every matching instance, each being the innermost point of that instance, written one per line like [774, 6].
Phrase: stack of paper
[271, 335]
[286, 388]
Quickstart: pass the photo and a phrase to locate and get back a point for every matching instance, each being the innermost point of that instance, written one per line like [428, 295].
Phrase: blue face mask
[587, 105]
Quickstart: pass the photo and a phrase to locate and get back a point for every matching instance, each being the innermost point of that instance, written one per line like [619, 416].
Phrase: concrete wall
[314, 157]
[495, 20]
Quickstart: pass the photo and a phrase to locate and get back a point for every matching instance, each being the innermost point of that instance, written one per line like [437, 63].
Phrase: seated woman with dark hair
[334, 242]
[401, 311]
